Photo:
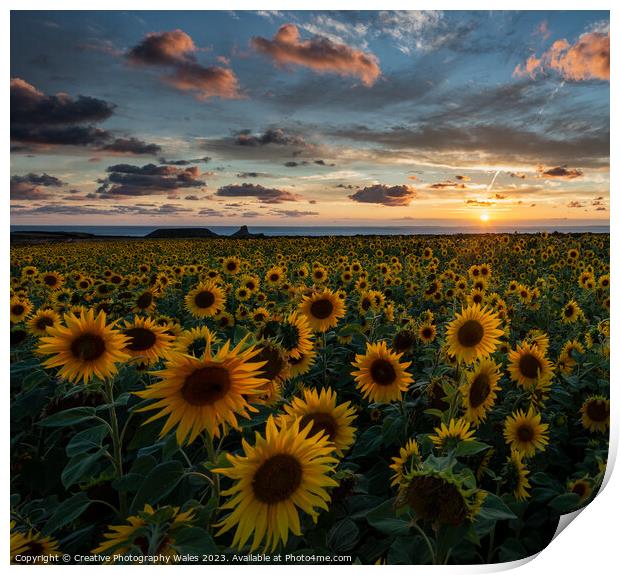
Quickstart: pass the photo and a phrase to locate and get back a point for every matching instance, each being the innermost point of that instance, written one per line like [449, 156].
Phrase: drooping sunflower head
[380, 376]
[408, 459]
[480, 390]
[595, 414]
[403, 340]
[525, 432]
[322, 412]
[84, 347]
[528, 366]
[473, 333]
[146, 340]
[447, 437]
[581, 487]
[515, 475]
[205, 300]
[206, 393]
[322, 309]
[283, 472]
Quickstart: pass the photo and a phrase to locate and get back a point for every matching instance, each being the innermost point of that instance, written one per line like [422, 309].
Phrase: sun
[484, 217]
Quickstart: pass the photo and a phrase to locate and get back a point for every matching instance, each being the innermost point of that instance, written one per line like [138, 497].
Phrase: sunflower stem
[415, 525]
[116, 443]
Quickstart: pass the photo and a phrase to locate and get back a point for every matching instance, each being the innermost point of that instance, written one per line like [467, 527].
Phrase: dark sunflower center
[470, 333]
[231, 266]
[198, 346]
[277, 478]
[145, 300]
[434, 499]
[479, 390]
[529, 365]
[525, 433]
[204, 299]
[579, 489]
[427, 333]
[18, 336]
[320, 422]
[403, 340]
[597, 410]
[50, 280]
[140, 338]
[274, 277]
[321, 308]
[206, 385]
[382, 372]
[274, 365]
[18, 309]
[366, 303]
[33, 549]
[44, 322]
[88, 347]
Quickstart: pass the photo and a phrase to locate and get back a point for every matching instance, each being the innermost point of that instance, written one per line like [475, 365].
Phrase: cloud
[129, 180]
[386, 195]
[99, 210]
[246, 175]
[275, 136]
[575, 204]
[292, 164]
[293, 213]
[162, 49]
[32, 186]
[175, 50]
[586, 59]
[205, 159]
[319, 54]
[264, 195]
[131, 146]
[448, 185]
[323, 163]
[60, 120]
[478, 203]
[559, 172]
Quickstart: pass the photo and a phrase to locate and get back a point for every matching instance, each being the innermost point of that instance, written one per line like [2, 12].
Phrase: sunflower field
[358, 400]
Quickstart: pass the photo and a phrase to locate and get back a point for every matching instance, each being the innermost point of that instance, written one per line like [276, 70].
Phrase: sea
[141, 231]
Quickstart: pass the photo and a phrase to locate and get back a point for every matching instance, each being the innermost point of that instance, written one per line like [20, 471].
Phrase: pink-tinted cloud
[205, 82]
[320, 54]
[162, 49]
[586, 59]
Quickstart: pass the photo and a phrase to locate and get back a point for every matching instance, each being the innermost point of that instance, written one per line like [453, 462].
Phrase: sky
[309, 118]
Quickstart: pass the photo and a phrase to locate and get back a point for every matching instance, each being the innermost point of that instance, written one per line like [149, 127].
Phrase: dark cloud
[132, 146]
[385, 195]
[33, 186]
[323, 163]
[447, 185]
[559, 172]
[275, 136]
[246, 175]
[205, 159]
[575, 204]
[293, 164]
[150, 179]
[319, 54]
[264, 195]
[175, 50]
[347, 186]
[95, 209]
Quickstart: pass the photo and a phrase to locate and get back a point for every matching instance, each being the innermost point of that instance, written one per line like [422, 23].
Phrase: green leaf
[494, 508]
[194, 541]
[67, 511]
[86, 440]
[383, 519]
[343, 536]
[465, 448]
[158, 483]
[79, 467]
[68, 417]
[565, 503]
[369, 442]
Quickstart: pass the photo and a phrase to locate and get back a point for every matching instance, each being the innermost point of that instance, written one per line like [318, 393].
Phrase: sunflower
[595, 413]
[283, 472]
[274, 370]
[195, 341]
[381, 378]
[525, 433]
[296, 335]
[448, 436]
[580, 487]
[403, 340]
[32, 545]
[440, 497]
[139, 529]
[20, 309]
[528, 366]
[144, 301]
[52, 280]
[205, 300]
[231, 265]
[408, 459]
[479, 391]
[322, 412]
[571, 312]
[473, 333]
[302, 364]
[40, 321]
[322, 309]
[146, 340]
[205, 393]
[427, 333]
[85, 348]
[515, 476]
